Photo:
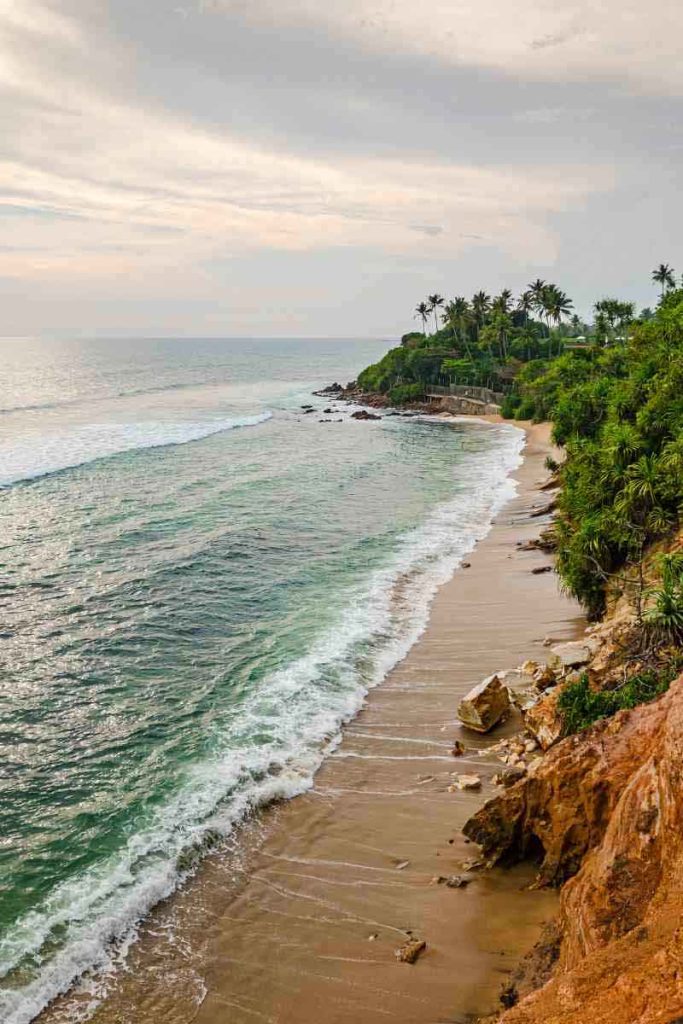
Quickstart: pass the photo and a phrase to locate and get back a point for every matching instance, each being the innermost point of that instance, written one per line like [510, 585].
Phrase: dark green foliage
[480, 342]
[510, 405]
[580, 706]
[404, 393]
[664, 617]
[619, 413]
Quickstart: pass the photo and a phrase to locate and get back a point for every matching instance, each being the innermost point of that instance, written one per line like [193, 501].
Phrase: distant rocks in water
[541, 569]
[466, 565]
[458, 749]
[331, 389]
[484, 706]
[327, 411]
[363, 414]
[409, 953]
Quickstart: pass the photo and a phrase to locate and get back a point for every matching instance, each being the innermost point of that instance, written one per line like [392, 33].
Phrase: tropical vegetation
[483, 341]
[613, 390]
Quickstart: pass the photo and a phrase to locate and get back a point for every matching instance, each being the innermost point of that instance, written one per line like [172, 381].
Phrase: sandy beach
[301, 922]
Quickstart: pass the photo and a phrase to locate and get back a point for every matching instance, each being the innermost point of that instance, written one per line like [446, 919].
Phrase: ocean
[199, 583]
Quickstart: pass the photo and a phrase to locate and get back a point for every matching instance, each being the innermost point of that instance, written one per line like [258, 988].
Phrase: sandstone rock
[509, 776]
[523, 698]
[608, 803]
[457, 881]
[485, 705]
[543, 720]
[564, 657]
[544, 678]
[413, 949]
[530, 667]
[464, 782]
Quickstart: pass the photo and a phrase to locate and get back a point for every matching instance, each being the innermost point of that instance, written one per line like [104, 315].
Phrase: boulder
[520, 685]
[465, 782]
[363, 414]
[544, 678]
[409, 953]
[484, 706]
[509, 775]
[564, 657]
[542, 720]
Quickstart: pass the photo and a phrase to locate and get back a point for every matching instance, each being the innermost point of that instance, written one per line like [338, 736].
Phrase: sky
[316, 167]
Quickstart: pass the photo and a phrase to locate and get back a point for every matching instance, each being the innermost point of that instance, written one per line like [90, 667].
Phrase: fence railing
[466, 391]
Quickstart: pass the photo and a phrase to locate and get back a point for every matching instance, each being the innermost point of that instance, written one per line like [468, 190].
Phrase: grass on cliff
[580, 706]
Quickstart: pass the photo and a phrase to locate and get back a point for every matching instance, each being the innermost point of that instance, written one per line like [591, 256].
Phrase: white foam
[302, 707]
[35, 455]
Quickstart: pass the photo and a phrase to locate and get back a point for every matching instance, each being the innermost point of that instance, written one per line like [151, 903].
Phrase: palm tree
[664, 277]
[525, 303]
[536, 289]
[422, 311]
[544, 304]
[462, 317]
[435, 302]
[559, 305]
[481, 304]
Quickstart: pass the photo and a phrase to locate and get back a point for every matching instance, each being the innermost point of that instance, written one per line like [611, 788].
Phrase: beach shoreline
[301, 921]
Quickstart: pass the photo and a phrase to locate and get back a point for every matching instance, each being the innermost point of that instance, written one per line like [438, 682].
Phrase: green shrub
[404, 393]
[580, 706]
[525, 409]
[509, 406]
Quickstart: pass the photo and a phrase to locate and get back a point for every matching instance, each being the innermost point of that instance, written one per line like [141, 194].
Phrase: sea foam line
[45, 455]
[305, 704]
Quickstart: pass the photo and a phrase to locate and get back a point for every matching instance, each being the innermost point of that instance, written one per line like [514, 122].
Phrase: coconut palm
[536, 289]
[435, 303]
[454, 316]
[481, 304]
[559, 306]
[525, 304]
[663, 275]
[422, 311]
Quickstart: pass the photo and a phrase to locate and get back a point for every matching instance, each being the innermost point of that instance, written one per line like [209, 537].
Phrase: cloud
[623, 39]
[116, 187]
[168, 150]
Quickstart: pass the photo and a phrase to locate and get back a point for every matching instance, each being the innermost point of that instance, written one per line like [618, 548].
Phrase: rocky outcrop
[542, 719]
[565, 657]
[484, 706]
[605, 810]
[363, 414]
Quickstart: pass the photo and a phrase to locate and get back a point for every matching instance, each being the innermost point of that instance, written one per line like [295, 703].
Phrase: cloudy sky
[314, 167]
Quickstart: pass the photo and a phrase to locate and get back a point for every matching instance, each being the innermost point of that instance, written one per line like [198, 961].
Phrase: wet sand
[300, 923]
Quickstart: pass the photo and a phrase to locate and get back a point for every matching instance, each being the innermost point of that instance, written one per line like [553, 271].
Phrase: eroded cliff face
[605, 810]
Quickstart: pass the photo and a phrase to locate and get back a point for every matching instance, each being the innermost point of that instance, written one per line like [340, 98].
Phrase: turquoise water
[196, 592]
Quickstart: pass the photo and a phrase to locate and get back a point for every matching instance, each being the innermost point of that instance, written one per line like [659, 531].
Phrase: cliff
[602, 814]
